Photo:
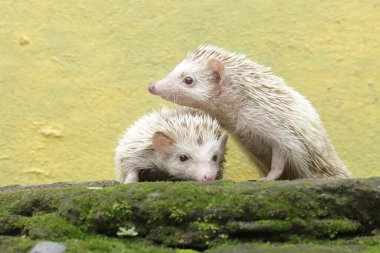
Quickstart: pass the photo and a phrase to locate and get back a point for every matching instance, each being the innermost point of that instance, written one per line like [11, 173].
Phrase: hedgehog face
[200, 161]
[189, 84]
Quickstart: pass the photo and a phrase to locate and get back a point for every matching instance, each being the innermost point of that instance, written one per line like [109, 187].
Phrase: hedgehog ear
[162, 143]
[217, 67]
[223, 137]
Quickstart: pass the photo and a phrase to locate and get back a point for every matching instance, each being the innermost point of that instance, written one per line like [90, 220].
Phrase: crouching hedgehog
[275, 123]
[171, 144]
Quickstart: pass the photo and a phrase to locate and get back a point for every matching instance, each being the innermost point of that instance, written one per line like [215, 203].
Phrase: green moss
[197, 236]
[204, 226]
[198, 215]
[307, 228]
[186, 251]
[106, 244]
[50, 226]
[34, 201]
[259, 227]
[94, 244]
[331, 228]
[286, 248]
[10, 224]
[15, 244]
[167, 235]
[96, 212]
[103, 244]
[369, 244]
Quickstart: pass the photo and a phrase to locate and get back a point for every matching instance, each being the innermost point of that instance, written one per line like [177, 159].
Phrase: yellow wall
[73, 74]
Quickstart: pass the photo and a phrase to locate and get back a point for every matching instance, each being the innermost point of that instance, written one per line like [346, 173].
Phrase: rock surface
[220, 216]
[48, 247]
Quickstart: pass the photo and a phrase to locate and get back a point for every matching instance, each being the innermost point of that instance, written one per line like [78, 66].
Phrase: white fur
[272, 120]
[195, 134]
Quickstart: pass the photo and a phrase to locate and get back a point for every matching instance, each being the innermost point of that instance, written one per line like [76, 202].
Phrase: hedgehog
[279, 127]
[171, 144]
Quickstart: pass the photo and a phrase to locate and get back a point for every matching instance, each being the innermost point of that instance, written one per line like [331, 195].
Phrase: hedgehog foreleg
[132, 176]
[277, 165]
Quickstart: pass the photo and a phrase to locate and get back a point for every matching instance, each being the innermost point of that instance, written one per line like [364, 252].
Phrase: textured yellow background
[73, 74]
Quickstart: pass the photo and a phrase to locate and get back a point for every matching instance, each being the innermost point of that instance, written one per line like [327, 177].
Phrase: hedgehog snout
[152, 89]
[207, 177]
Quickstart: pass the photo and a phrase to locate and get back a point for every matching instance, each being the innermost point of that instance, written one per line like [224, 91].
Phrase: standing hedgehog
[171, 144]
[279, 126]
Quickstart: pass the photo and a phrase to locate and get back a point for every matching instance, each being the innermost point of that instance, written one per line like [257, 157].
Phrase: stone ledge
[195, 215]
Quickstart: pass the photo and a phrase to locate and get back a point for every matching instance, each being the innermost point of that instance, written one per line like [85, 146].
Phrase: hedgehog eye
[183, 158]
[188, 80]
[214, 158]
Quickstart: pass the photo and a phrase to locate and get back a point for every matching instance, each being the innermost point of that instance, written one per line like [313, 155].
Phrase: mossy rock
[194, 215]
[93, 244]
